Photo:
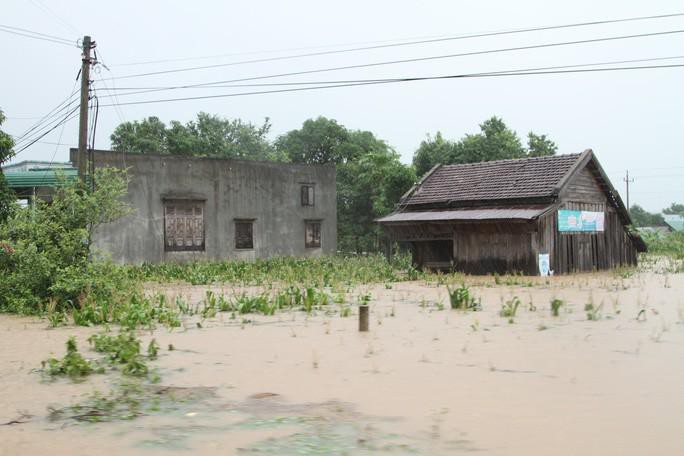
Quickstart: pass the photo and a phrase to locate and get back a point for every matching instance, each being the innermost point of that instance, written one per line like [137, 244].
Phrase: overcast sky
[632, 119]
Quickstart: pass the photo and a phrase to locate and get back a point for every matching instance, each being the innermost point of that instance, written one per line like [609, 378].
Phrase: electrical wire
[414, 40]
[139, 90]
[46, 120]
[365, 48]
[36, 35]
[66, 118]
[60, 19]
[421, 59]
[59, 140]
[415, 79]
[68, 100]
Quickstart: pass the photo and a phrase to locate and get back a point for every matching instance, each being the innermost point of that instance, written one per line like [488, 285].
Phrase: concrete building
[188, 208]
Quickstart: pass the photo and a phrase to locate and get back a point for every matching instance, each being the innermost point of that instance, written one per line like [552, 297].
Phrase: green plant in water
[72, 365]
[593, 311]
[556, 304]
[462, 299]
[509, 309]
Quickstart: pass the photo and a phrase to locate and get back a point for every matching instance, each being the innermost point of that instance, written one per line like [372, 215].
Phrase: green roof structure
[674, 221]
[41, 177]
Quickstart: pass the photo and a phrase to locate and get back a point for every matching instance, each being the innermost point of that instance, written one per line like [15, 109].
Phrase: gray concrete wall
[269, 193]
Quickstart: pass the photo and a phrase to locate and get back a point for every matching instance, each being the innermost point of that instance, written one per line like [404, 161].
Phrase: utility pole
[627, 181]
[82, 160]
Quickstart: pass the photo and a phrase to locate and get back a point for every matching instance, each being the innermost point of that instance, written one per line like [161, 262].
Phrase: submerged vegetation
[461, 298]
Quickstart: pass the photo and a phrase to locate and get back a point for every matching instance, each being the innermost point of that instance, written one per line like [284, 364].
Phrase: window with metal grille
[183, 225]
[312, 234]
[308, 195]
[244, 234]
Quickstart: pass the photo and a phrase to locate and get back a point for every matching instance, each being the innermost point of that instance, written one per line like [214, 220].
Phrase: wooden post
[81, 162]
[363, 318]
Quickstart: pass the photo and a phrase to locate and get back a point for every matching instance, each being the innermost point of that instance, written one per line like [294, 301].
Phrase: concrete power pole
[627, 181]
[82, 161]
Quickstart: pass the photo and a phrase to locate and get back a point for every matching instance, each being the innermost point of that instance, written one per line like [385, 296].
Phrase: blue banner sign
[580, 221]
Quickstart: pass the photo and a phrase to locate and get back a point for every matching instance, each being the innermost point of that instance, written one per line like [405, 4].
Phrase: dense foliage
[494, 142]
[641, 217]
[45, 249]
[208, 136]
[370, 176]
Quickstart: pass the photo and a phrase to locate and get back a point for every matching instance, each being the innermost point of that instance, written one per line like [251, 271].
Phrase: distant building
[674, 221]
[28, 165]
[659, 230]
[557, 213]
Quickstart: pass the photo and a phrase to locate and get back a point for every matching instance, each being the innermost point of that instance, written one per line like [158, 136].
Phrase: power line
[70, 115]
[139, 90]
[35, 35]
[382, 46]
[404, 42]
[48, 118]
[427, 78]
[420, 59]
[60, 19]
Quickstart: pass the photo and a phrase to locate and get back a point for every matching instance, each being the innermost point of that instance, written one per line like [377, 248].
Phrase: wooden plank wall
[501, 247]
[573, 252]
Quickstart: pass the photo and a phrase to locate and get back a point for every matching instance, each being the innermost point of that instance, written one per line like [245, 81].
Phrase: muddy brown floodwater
[424, 380]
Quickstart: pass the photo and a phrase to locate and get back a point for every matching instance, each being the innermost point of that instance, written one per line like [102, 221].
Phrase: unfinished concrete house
[531, 216]
[188, 208]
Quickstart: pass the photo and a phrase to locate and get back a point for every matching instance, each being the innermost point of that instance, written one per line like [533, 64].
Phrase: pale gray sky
[633, 120]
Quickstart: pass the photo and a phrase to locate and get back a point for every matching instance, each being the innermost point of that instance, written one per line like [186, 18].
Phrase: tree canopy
[208, 135]
[495, 141]
[370, 176]
[641, 217]
[675, 208]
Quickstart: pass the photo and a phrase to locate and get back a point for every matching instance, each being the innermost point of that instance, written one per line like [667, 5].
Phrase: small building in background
[192, 208]
[674, 221]
[531, 216]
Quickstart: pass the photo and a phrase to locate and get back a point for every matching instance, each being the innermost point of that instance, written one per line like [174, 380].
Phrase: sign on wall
[582, 221]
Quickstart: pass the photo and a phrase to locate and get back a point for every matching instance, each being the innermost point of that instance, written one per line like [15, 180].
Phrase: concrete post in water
[363, 318]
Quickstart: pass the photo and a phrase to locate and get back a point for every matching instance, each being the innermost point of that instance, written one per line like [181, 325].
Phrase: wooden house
[533, 215]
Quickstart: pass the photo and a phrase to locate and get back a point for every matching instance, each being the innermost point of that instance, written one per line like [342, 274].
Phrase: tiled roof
[494, 180]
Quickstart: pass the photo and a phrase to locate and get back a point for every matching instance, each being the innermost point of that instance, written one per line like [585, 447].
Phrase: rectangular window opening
[183, 225]
[244, 234]
[308, 195]
[312, 235]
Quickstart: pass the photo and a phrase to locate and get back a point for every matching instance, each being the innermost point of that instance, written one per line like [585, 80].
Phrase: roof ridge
[522, 159]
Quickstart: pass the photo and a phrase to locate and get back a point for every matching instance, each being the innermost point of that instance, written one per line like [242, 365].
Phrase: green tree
[320, 141]
[641, 217]
[42, 245]
[370, 177]
[208, 135]
[675, 208]
[145, 137]
[540, 146]
[7, 196]
[495, 141]
[431, 152]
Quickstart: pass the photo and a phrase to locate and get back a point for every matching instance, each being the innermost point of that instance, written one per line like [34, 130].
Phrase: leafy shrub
[556, 304]
[46, 248]
[509, 308]
[461, 298]
[72, 365]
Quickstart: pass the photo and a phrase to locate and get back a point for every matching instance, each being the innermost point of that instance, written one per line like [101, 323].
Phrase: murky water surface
[424, 380]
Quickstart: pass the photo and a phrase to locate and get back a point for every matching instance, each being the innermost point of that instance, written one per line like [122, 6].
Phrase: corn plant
[509, 309]
[462, 299]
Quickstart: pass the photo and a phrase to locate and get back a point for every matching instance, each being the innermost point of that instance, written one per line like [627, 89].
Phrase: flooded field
[426, 379]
